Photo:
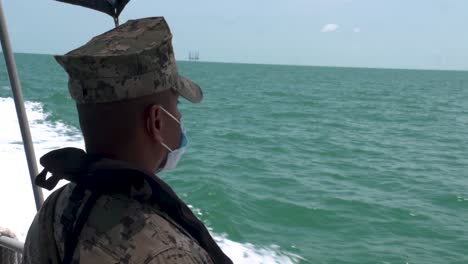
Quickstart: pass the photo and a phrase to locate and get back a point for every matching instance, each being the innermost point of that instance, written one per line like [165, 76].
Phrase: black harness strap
[73, 223]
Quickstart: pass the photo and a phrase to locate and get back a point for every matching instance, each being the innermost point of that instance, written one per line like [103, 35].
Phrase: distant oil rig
[194, 55]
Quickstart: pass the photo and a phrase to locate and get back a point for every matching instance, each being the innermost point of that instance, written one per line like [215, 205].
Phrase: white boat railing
[11, 244]
[11, 250]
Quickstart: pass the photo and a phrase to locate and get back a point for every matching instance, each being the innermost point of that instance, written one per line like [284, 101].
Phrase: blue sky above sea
[413, 34]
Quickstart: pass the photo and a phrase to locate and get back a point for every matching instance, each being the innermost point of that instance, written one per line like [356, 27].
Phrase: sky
[414, 34]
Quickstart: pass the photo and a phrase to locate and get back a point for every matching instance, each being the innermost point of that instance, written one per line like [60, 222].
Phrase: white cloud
[330, 28]
[357, 30]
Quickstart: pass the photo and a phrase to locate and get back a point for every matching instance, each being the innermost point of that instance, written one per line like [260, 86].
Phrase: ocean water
[291, 164]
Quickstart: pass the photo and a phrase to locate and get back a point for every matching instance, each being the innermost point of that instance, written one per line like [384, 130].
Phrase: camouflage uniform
[133, 60]
[119, 229]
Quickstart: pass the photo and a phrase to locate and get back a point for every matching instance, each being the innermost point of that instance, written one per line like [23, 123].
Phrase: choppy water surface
[292, 164]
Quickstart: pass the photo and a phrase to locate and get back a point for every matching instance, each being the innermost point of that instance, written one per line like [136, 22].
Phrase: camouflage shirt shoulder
[121, 229]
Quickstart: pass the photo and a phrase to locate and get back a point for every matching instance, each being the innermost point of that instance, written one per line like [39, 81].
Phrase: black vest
[76, 166]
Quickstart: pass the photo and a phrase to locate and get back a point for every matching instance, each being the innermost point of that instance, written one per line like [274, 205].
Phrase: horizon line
[295, 65]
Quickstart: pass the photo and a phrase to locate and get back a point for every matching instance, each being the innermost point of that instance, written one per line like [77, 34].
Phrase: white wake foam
[17, 207]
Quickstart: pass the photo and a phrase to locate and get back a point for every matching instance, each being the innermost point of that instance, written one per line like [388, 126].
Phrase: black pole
[116, 17]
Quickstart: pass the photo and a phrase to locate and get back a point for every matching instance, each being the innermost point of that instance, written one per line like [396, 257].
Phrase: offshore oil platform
[194, 55]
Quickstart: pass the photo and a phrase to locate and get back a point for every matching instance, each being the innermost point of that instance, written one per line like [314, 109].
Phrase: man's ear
[154, 122]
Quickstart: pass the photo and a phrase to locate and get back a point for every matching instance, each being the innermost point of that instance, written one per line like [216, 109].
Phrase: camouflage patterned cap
[133, 60]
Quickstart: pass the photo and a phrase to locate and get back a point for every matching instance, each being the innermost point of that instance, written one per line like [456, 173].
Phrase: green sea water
[325, 165]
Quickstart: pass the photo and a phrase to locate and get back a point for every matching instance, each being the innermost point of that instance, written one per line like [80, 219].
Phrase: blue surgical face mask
[174, 156]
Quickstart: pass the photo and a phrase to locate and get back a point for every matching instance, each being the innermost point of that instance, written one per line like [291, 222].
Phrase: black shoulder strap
[73, 222]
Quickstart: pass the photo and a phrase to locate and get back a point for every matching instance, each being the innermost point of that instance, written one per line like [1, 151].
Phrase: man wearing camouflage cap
[115, 210]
